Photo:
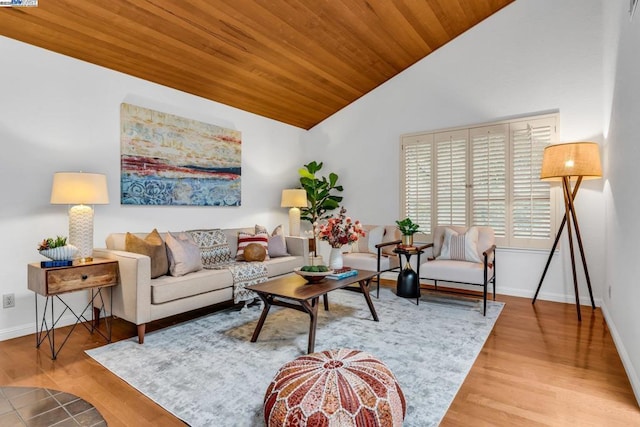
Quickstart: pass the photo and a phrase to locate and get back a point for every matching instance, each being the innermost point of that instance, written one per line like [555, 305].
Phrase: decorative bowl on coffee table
[313, 276]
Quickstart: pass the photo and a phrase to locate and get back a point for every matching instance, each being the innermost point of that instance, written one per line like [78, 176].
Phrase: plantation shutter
[531, 210]
[489, 177]
[417, 153]
[451, 177]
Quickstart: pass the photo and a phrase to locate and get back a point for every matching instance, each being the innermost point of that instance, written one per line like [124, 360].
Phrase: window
[482, 175]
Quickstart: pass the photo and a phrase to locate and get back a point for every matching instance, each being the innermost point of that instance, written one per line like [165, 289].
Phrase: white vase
[335, 259]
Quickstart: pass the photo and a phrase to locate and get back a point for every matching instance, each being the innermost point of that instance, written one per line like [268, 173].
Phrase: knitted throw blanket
[245, 274]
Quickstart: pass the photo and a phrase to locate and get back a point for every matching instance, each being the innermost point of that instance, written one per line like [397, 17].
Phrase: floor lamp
[566, 162]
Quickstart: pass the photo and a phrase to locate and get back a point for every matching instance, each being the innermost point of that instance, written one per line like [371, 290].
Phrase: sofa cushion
[214, 247]
[184, 254]
[169, 288]
[151, 246]
[245, 239]
[283, 265]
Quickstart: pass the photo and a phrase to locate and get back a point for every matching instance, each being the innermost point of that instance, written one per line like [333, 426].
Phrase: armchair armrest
[381, 245]
[489, 256]
[423, 247]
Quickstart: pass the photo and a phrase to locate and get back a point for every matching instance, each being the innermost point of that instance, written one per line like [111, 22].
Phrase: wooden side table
[53, 283]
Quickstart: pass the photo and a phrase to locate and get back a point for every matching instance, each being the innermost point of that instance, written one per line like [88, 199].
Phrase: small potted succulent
[57, 249]
[408, 228]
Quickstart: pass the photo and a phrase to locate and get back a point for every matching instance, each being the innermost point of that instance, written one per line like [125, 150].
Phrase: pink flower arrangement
[340, 230]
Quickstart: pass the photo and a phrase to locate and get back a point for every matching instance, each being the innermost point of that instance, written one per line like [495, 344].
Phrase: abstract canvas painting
[171, 160]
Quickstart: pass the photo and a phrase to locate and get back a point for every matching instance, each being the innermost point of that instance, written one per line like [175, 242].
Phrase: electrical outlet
[8, 300]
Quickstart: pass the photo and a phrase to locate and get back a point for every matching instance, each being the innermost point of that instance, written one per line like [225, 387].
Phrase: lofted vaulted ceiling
[295, 61]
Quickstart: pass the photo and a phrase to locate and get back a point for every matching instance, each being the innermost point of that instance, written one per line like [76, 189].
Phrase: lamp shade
[79, 188]
[294, 198]
[572, 159]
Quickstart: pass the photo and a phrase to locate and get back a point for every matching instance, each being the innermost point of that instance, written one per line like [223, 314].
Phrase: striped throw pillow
[460, 247]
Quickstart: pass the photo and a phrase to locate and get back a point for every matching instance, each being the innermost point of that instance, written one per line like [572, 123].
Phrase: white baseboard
[30, 328]
[548, 296]
[622, 352]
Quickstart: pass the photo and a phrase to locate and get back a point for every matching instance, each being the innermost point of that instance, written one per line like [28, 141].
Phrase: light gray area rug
[207, 372]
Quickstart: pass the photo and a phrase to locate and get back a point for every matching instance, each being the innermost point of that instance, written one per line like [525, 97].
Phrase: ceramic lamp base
[81, 231]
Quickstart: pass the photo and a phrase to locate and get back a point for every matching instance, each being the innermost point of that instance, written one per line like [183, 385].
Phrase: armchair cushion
[376, 235]
[486, 238]
[368, 261]
[460, 246]
[455, 271]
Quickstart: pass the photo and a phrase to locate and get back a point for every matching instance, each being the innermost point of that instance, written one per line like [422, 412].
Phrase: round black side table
[408, 284]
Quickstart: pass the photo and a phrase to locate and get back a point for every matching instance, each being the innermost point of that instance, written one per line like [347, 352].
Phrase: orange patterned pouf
[341, 387]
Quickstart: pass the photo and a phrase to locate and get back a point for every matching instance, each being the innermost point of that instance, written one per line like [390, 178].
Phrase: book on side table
[342, 273]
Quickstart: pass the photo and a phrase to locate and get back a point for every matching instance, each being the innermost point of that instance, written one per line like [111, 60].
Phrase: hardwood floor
[539, 366]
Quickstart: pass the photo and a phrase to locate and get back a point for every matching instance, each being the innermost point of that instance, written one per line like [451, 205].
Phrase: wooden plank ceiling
[295, 61]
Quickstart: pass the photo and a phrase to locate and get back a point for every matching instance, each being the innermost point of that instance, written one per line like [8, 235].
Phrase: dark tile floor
[41, 407]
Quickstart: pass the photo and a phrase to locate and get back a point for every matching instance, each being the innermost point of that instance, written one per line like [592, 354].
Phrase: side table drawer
[53, 281]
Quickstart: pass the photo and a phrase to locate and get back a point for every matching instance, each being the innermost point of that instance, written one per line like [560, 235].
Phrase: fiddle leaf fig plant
[407, 227]
[320, 192]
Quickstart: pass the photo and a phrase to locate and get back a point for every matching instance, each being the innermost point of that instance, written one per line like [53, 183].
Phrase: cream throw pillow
[375, 238]
[184, 254]
[460, 247]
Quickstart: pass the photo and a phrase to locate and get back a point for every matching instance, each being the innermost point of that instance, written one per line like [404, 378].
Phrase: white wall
[61, 114]
[622, 157]
[532, 56]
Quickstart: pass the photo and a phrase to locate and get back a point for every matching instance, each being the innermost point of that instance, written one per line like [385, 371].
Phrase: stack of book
[342, 273]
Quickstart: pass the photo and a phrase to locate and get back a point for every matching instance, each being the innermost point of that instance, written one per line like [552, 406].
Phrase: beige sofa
[140, 299]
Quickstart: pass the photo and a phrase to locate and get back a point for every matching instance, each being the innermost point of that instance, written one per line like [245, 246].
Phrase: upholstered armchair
[374, 251]
[462, 255]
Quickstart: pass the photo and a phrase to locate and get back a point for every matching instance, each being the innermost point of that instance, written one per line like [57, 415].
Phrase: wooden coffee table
[295, 292]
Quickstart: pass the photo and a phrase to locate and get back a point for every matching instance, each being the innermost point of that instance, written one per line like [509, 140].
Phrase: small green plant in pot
[408, 228]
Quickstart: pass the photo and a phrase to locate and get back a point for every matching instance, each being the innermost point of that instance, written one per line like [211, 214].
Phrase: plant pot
[407, 239]
[62, 253]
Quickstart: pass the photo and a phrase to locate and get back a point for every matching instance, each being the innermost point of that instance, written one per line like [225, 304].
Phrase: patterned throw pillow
[214, 248]
[244, 239]
[460, 247]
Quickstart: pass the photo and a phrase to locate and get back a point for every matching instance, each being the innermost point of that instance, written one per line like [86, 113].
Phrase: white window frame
[428, 220]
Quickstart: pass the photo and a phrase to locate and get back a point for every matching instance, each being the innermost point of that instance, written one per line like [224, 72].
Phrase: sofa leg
[141, 329]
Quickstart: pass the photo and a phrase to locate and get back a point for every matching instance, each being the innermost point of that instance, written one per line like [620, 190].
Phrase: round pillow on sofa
[254, 252]
[335, 387]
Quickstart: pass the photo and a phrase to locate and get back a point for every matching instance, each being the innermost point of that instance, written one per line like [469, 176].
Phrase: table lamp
[80, 190]
[294, 199]
[566, 162]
